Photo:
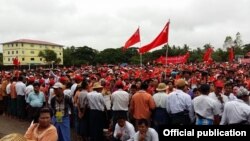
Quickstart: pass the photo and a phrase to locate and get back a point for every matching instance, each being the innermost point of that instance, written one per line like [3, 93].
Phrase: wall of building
[28, 53]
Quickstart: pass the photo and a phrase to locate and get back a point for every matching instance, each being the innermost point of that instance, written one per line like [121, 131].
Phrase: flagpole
[166, 61]
[140, 59]
[140, 53]
[166, 58]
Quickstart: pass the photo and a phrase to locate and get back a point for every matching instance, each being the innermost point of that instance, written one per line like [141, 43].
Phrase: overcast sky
[102, 24]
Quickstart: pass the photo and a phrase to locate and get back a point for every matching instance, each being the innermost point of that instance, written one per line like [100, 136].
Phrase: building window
[8, 52]
[12, 45]
[22, 44]
[13, 52]
[23, 59]
[8, 59]
[16, 44]
[60, 53]
[31, 45]
[32, 59]
[16, 52]
[23, 52]
[41, 59]
[32, 52]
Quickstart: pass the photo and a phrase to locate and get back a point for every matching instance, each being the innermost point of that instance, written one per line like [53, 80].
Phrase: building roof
[33, 42]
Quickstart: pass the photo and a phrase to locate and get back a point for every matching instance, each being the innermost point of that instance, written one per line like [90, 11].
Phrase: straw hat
[242, 92]
[161, 87]
[13, 137]
[97, 85]
[180, 83]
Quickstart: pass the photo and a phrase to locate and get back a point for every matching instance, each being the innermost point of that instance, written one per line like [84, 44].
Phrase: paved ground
[8, 125]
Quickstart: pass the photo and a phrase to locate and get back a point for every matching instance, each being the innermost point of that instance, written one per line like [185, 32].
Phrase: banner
[173, 60]
[244, 60]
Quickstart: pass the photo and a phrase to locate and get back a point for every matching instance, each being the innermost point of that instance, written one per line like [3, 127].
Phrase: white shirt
[20, 88]
[160, 99]
[128, 131]
[205, 106]
[151, 135]
[8, 89]
[235, 112]
[51, 95]
[120, 100]
[29, 89]
[72, 89]
[96, 101]
[178, 101]
[107, 100]
[231, 97]
[67, 92]
[220, 105]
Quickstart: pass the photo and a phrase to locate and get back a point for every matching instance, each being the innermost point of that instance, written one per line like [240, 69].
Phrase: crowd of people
[121, 103]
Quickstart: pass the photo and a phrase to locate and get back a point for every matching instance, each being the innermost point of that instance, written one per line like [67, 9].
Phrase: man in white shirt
[124, 130]
[179, 105]
[21, 104]
[96, 113]
[205, 107]
[160, 116]
[228, 91]
[120, 102]
[237, 112]
[219, 98]
[145, 133]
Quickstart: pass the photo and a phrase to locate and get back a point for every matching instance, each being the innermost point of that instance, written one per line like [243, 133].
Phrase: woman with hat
[160, 116]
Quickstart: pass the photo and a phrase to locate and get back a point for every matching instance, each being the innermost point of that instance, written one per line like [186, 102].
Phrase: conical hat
[13, 137]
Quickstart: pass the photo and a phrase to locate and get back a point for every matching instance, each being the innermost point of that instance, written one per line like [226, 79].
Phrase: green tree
[49, 55]
[109, 56]
[1, 58]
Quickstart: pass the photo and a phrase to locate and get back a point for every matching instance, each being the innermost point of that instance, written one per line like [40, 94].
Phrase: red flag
[15, 61]
[159, 40]
[207, 54]
[231, 55]
[135, 38]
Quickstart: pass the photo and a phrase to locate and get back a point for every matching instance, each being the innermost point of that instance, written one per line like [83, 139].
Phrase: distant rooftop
[32, 42]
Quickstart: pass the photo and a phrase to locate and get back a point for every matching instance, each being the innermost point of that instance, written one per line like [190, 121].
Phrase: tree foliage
[86, 55]
[48, 55]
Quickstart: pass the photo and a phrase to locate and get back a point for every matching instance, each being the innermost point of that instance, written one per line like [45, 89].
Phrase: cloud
[108, 24]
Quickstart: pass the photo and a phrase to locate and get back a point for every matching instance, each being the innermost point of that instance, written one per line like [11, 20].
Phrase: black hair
[84, 84]
[20, 78]
[68, 85]
[133, 86]
[36, 84]
[46, 110]
[144, 85]
[204, 89]
[122, 117]
[195, 90]
[228, 84]
[143, 121]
